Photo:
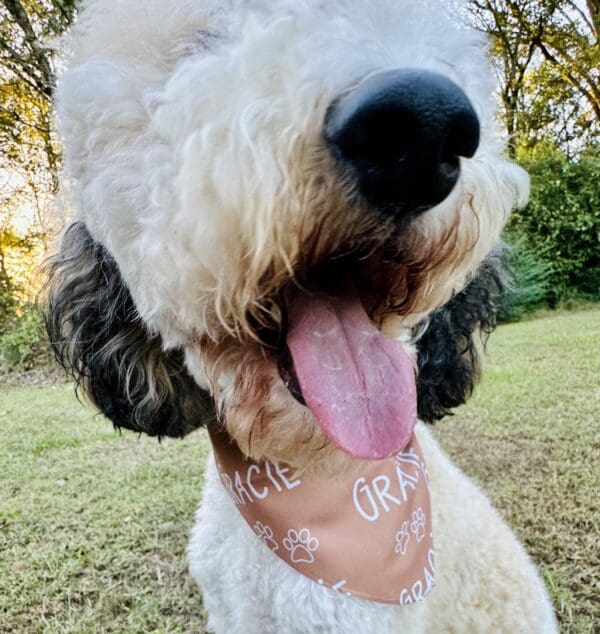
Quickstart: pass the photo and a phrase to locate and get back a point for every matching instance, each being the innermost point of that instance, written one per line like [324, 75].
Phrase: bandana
[366, 533]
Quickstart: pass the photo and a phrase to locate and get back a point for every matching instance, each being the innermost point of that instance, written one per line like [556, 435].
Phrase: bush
[23, 345]
[530, 285]
[561, 224]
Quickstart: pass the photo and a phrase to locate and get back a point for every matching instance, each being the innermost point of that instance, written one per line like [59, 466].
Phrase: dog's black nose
[402, 134]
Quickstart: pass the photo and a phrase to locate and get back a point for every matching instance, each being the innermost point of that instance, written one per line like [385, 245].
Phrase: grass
[93, 525]
[531, 437]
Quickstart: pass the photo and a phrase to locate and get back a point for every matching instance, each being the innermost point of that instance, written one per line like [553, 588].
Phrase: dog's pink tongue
[358, 383]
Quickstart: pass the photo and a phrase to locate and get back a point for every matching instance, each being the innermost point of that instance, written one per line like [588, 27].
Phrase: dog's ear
[100, 340]
[448, 351]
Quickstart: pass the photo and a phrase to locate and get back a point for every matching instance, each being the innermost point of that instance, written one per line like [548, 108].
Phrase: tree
[27, 78]
[29, 154]
[514, 53]
[569, 45]
[548, 56]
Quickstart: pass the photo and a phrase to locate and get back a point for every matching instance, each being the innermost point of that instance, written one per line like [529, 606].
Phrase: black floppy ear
[100, 340]
[448, 355]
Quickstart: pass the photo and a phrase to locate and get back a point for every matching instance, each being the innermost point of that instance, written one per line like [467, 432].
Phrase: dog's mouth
[358, 383]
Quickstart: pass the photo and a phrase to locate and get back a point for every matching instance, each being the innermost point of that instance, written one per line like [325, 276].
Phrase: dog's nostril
[402, 134]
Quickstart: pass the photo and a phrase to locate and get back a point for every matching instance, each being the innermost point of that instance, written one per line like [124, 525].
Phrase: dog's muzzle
[400, 134]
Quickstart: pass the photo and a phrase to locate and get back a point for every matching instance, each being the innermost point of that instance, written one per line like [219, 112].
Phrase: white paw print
[301, 546]
[402, 539]
[266, 535]
[417, 526]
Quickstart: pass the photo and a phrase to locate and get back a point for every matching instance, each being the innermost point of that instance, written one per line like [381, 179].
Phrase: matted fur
[205, 198]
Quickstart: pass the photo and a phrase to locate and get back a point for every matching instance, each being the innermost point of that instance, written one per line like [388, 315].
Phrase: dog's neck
[366, 533]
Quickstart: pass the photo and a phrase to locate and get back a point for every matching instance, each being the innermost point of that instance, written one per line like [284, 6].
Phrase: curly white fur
[195, 120]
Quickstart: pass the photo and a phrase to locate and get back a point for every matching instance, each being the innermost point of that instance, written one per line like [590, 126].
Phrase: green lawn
[93, 525]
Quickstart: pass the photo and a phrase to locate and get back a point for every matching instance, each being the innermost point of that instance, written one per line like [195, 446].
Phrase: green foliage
[530, 282]
[8, 301]
[23, 345]
[561, 224]
[13, 247]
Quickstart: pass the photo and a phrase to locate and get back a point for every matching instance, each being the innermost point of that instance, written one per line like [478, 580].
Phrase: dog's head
[267, 194]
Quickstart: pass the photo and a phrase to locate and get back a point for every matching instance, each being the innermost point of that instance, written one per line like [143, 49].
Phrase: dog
[287, 230]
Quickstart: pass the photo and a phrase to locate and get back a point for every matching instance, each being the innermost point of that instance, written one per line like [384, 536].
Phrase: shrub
[23, 345]
[529, 286]
[562, 220]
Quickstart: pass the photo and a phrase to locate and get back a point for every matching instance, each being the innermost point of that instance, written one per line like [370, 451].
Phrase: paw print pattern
[265, 533]
[417, 526]
[402, 539]
[301, 545]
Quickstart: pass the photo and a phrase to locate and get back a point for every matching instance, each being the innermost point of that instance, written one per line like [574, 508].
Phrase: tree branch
[19, 14]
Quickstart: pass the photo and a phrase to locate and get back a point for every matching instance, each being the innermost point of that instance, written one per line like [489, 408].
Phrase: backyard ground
[93, 525]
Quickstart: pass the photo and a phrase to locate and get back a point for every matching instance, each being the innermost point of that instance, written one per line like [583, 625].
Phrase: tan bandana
[366, 534]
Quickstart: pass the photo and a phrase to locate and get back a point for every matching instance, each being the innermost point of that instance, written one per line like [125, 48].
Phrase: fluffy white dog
[288, 214]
